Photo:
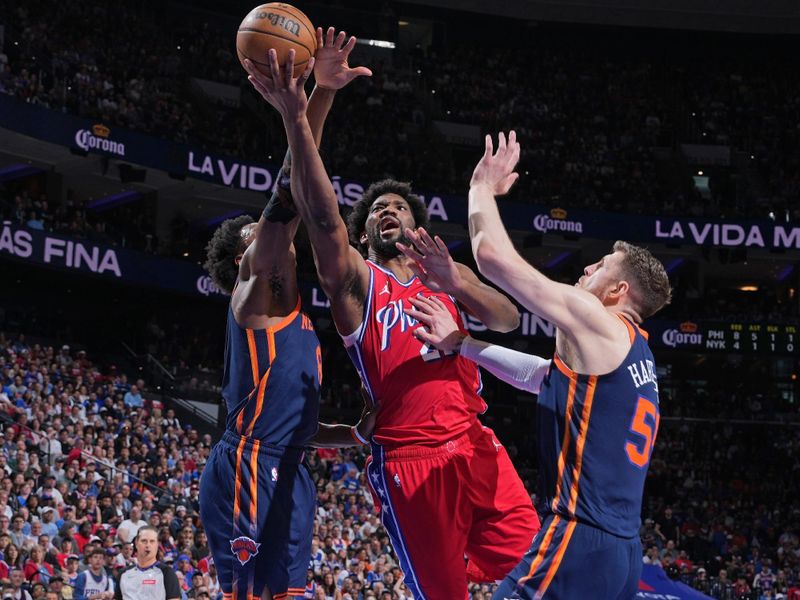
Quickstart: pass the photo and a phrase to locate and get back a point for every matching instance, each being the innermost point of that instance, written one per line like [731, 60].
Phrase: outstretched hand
[332, 70]
[281, 89]
[495, 170]
[432, 262]
[440, 330]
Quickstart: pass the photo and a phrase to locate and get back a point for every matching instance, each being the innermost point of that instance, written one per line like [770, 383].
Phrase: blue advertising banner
[88, 135]
[181, 159]
[85, 257]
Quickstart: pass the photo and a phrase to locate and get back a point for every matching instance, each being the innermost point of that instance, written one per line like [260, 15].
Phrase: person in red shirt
[445, 485]
[83, 536]
[67, 550]
[36, 570]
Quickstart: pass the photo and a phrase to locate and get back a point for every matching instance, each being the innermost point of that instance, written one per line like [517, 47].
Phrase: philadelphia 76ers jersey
[595, 434]
[424, 396]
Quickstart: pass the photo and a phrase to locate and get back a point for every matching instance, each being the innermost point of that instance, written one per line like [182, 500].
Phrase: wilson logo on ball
[277, 20]
[244, 548]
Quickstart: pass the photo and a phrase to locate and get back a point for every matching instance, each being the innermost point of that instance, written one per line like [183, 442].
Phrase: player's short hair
[358, 218]
[650, 287]
[221, 252]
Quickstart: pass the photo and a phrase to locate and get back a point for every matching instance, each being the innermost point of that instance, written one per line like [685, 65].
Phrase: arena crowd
[88, 455]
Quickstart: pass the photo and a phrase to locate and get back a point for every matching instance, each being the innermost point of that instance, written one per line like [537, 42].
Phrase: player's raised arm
[570, 308]
[437, 270]
[269, 261]
[340, 267]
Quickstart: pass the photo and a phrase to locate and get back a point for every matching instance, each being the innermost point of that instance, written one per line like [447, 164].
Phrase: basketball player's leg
[633, 576]
[216, 513]
[286, 522]
[420, 504]
[504, 521]
[568, 560]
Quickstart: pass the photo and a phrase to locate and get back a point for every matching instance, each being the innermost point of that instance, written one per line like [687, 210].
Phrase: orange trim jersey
[424, 396]
[596, 434]
[272, 380]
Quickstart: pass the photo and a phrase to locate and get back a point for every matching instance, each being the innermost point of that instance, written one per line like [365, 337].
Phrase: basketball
[280, 26]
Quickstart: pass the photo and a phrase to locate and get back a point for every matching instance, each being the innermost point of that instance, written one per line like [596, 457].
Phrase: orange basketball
[280, 26]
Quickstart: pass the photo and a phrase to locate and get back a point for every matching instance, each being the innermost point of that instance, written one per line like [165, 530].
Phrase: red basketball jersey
[425, 396]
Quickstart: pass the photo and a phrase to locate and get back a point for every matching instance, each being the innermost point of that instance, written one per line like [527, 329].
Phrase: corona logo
[96, 138]
[556, 220]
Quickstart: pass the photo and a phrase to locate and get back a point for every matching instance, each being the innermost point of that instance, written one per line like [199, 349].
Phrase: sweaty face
[388, 217]
[602, 277]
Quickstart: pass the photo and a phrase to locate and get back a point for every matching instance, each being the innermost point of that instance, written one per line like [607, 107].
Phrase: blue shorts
[257, 505]
[572, 560]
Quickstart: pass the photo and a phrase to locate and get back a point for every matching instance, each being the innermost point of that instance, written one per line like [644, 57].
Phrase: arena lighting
[558, 259]
[748, 288]
[377, 43]
[114, 200]
[785, 272]
[674, 264]
[214, 221]
[18, 171]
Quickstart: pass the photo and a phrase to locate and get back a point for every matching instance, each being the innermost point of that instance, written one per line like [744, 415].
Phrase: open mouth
[388, 224]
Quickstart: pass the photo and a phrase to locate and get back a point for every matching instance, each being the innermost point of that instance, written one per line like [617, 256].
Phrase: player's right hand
[283, 91]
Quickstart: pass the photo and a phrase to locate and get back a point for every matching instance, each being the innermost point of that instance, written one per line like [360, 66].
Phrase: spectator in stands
[130, 527]
[17, 580]
[95, 583]
[133, 399]
[36, 569]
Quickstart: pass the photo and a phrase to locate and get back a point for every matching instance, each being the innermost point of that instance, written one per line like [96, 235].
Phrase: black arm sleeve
[171, 588]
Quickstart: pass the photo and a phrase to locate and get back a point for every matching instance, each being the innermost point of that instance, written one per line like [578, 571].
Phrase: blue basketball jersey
[272, 380]
[596, 433]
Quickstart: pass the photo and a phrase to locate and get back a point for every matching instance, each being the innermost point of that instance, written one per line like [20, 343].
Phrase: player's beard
[385, 249]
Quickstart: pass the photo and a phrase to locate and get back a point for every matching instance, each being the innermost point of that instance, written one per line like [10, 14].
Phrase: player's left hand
[432, 262]
[369, 415]
[332, 70]
[495, 170]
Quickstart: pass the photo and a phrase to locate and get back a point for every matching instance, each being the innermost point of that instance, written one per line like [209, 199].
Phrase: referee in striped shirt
[148, 579]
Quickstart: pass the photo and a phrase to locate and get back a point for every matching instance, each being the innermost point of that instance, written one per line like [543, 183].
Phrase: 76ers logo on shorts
[244, 548]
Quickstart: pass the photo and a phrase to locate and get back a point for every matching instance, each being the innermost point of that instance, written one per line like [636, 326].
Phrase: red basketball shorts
[443, 504]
